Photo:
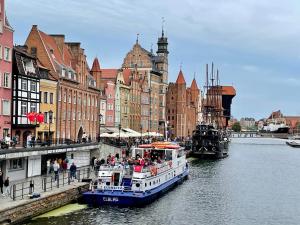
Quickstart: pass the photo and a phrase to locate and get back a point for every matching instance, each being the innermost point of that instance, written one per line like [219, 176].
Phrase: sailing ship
[210, 139]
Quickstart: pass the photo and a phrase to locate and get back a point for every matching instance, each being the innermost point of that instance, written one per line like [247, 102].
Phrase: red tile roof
[109, 73]
[180, 78]
[194, 85]
[96, 65]
[126, 75]
[228, 90]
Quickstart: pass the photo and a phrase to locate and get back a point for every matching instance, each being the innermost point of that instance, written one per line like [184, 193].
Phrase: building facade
[6, 48]
[26, 93]
[77, 100]
[182, 107]
[48, 89]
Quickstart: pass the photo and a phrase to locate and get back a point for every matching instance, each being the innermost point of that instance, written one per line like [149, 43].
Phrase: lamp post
[167, 130]
[120, 134]
[50, 114]
[100, 119]
[141, 133]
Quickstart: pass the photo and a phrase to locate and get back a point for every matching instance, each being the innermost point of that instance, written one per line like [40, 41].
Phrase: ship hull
[218, 152]
[130, 198]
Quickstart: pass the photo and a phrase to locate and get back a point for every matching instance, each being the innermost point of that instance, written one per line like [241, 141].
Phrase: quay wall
[35, 207]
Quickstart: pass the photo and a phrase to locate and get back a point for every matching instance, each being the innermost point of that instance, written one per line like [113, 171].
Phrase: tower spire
[137, 38]
[162, 26]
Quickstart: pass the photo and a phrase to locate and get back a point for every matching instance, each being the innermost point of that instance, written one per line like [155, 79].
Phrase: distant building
[6, 48]
[278, 118]
[182, 107]
[247, 123]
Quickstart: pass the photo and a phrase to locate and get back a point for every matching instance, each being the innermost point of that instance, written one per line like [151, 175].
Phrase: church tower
[162, 52]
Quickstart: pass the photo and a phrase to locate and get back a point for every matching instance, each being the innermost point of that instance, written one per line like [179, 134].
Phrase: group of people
[60, 166]
[4, 183]
[8, 142]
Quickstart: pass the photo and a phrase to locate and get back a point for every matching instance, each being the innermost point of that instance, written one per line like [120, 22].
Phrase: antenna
[137, 38]
[162, 26]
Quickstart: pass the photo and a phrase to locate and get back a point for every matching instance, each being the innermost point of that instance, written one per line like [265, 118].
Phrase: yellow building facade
[48, 93]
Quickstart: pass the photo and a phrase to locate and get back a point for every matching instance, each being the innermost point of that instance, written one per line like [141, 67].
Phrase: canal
[257, 184]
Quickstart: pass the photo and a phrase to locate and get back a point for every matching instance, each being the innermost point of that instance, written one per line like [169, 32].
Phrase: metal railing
[25, 189]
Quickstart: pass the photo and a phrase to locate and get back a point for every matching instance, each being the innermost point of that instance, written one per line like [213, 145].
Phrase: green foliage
[236, 127]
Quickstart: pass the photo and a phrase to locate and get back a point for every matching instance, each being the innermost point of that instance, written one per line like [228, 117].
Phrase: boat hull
[130, 198]
[219, 152]
[293, 144]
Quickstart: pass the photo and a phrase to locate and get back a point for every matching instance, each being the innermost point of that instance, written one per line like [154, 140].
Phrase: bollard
[22, 190]
[69, 178]
[78, 175]
[63, 179]
[14, 192]
[31, 185]
[57, 179]
[45, 184]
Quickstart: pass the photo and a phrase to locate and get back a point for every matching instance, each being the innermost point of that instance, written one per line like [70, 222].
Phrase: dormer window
[63, 72]
[28, 65]
[70, 75]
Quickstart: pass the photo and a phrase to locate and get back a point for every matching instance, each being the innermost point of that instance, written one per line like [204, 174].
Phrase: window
[23, 108]
[45, 117]
[69, 74]
[63, 73]
[33, 86]
[16, 164]
[102, 105]
[33, 107]
[40, 97]
[79, 100]
[0, 47]
[74, 99]
[6, 82]
[45, 97]
[7, 54]
[5, 132]
[50, 117]
[74, 115]
[51, 98]
[69, 98]
[24, 84]
[65, 97]
[5, 107]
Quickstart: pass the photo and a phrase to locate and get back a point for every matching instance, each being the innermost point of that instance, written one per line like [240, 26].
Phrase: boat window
[145, 184]
[107, 183]
[150, 183]
[137, 185]
[169, 155]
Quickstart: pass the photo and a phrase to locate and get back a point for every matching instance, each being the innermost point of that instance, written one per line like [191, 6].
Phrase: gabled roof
[194, 85]
[96, 65]
[180, 78]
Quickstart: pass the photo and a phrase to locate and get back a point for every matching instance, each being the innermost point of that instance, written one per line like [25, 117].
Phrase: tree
[236, 127]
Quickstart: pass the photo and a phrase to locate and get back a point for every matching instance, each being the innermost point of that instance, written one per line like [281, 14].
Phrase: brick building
[78, 96]
[182, 107]
[6, 48]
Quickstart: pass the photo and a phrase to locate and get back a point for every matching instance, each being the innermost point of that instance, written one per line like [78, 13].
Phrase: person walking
[73, 170]
[28, 140]
[1, 182]
[48, 166]
[8, 140]
[56, 170]
[6, 185]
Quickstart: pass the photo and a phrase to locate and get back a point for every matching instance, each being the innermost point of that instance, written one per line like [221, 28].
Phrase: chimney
[60, 40]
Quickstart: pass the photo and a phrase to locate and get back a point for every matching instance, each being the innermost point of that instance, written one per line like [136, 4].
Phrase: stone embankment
[29, 208]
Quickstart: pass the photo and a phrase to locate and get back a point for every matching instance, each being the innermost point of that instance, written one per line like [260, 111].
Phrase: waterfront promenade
[13, 205]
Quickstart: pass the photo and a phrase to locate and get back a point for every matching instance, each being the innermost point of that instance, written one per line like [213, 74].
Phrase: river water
[257, 184]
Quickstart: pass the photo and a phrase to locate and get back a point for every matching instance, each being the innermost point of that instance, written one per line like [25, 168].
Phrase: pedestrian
[64, 166]
[6, 185]
[7, 140]
[56, 170]
[84, 137]
[14, 141]
[1, 182]
[28, 140]
[33, 141]
[48, 166]
[73, 169]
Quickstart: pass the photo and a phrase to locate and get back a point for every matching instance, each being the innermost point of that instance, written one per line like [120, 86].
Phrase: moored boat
[153, 170]
[293, 144]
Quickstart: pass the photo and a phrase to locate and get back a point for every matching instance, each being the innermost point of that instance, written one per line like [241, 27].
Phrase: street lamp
[120, 127]
[167, 130]
[100, 119]
[50, 113]
[141, 126]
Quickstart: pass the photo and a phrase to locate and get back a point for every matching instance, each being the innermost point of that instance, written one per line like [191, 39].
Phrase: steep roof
[194, 85]
[126, 75]
[180, 78]
[96, 65]
[228, 90]
[109, 73]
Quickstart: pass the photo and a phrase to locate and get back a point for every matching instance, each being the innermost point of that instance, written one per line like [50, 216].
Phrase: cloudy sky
[254, 43]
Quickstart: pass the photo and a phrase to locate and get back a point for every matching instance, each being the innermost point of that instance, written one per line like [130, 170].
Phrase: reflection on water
[257, 184]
